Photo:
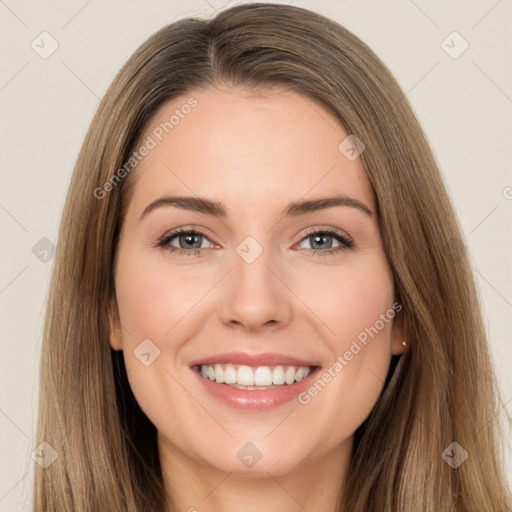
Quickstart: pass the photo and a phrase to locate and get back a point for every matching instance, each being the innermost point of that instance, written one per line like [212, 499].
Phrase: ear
[116, 341]
[398, 333]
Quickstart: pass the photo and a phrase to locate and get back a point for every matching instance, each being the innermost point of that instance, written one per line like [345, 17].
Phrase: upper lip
[244, 358]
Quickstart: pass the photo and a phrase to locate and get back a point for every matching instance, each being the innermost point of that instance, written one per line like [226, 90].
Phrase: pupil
[188, 239]
[317, 237]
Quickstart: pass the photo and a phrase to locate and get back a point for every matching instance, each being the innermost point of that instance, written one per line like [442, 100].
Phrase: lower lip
[256, 399]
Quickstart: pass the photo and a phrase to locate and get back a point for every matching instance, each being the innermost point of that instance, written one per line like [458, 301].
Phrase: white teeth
[245, 376]
[278, 377]
[248, 377]
[289, 376]
[229, 374]
[263, 376]
[219, 373]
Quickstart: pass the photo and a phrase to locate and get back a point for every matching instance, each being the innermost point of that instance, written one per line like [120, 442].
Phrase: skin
[246, 150]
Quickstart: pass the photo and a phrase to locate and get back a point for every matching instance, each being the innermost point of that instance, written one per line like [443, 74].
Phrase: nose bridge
[255, 295]
[251, 265]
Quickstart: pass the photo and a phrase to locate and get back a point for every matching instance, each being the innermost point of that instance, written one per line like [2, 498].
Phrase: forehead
[247, 149]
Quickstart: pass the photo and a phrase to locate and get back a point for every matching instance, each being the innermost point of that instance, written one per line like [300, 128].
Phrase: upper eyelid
[329, 230]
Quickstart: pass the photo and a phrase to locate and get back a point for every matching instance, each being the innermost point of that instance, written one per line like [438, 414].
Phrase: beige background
[464, 105]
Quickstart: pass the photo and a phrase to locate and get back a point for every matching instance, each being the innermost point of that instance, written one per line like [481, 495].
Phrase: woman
[247, 371]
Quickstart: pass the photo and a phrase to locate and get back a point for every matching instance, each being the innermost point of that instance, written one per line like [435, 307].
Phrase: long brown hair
[442, 390]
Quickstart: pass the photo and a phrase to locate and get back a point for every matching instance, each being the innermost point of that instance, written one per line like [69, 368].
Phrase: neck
[314, 485]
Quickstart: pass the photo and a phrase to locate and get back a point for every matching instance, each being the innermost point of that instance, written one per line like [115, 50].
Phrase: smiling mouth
[254, 377]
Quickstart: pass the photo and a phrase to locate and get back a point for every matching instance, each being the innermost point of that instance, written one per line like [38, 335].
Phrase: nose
[255, 295]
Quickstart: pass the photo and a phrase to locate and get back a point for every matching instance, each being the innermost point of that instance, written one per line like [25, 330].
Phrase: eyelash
[346, 243]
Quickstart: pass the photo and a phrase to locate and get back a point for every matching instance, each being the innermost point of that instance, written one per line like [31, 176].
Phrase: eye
[189, 241]
[321, 242]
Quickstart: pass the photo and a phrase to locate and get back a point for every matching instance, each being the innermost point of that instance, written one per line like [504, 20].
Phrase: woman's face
[274, 283]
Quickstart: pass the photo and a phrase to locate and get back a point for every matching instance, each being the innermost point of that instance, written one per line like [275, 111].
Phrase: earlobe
[116, 341]
[400, 342]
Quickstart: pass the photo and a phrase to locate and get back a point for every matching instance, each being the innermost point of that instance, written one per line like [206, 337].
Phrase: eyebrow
[216, 209]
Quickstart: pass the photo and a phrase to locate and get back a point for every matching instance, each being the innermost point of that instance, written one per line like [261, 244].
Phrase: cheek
[349, 300]
[152, 299]
[363, 302]
[363, 325]
[156, 302]
[149, 307]
[357, 308]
